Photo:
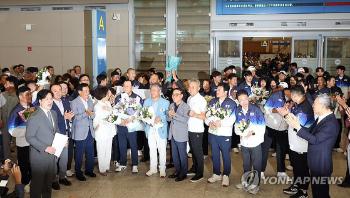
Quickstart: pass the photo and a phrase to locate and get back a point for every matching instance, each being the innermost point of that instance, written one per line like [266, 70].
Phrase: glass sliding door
[228, 52]
[336, 52]
[306, 52]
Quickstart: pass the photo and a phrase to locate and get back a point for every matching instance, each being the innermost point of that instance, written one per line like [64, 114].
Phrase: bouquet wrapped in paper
[243, 126]
[148, 116]
[112, 118]
[42, 77]
[26, 113]
[259, 95]
[172, 64]
[129, 108]
[216, 112]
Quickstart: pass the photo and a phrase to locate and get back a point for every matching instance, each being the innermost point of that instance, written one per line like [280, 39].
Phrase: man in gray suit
[41, 128]
[178, 134]
[83, 132]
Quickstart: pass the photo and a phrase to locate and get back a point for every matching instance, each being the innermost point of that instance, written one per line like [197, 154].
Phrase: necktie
[50, 118]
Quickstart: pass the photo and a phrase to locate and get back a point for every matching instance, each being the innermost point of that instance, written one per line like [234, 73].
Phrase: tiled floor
[126, 185]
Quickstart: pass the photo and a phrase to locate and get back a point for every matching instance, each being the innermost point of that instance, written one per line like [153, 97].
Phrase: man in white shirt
[198, 106]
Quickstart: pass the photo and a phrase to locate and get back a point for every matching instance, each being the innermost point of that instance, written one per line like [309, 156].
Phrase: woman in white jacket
[104, 131]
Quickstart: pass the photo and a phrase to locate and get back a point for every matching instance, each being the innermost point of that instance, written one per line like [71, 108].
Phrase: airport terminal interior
[207, 35]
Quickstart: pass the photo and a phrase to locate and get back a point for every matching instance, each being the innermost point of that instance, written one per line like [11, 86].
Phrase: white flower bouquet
[216, 112]
[128, 108]
[148, 116]
[42, 77]
[243, 126]
[259, 95]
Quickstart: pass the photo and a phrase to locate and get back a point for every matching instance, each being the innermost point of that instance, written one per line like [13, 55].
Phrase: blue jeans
[223, 144]
[179, 154]
[84, 146]
[123, 138]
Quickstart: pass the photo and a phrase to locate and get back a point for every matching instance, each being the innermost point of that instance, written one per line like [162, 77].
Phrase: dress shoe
[65, 182]
[56, 186]
[91, 174]
[80, 177]
[178, 179]
[170, 165]
[173, 176]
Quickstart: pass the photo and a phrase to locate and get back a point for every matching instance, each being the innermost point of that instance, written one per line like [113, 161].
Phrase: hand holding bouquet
[243, 126]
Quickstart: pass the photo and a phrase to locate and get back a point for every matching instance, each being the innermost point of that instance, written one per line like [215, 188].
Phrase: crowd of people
[271, 105]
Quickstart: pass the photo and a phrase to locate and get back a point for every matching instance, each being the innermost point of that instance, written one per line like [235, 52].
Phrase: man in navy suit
[321, 137]
[64, 116]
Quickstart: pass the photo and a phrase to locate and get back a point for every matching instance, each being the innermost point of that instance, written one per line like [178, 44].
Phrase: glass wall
[150, 34]
[193, 37]
[337, 52]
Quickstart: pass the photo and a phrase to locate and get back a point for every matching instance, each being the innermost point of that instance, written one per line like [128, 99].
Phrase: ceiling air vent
[4, 9]
[30, 9]
[62, 8]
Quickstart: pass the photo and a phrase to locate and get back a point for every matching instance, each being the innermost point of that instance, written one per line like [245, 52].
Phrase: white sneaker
[214, 178]
[225, 181]
[120, 168]
[284, 176]
[151, 172]
[27, 188]
[116, 164]
[162, 174]
[262, 175]
[135, 169]
[289, 167]
[241, 185]
[69, 173]
[338, 150]
[139, 153]
[235, 150]
[273, 154]
[254, 190]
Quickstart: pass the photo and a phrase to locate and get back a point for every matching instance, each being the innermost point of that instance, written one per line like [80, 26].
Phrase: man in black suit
[321, 137]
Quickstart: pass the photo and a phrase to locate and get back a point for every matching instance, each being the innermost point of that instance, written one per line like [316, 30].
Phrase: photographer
[7, 169]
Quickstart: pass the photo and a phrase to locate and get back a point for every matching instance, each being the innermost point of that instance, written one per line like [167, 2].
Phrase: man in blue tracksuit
[220, 132]
[251, 137]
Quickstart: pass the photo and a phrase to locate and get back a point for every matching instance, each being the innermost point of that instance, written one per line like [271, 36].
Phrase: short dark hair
[215, 74]
[225, 86]
[232, 75]
[76, 66]
[247, 73]
[113, 91]
[242, 92]
[15, 66]
[83, 75]
[341, 67]
[306, 69]
[13, 80]
[81, 86]
[43, 93]
[115, 73]
[298, 89]
[100, 92]
[100, 78]
[21, 90]
[49, 67]
[32, 69]
[227, 68]
[55, 84]
[5, 70]
[178, 89]
[319, 68]
[160, 75]
[294, 64]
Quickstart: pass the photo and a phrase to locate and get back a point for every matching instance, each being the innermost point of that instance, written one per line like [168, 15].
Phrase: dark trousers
[235, 138]
[282, 148]
[142, 143]
[115, 149]
[205, 140]
[196, 143]
[70, 153]
[179, 153]
[124, 138]
[300, 169]
[221, 144]
[337, 142]
[252, 159]
[24, 163]
[265, 146]
[1, 149]
[320, 186]
[43, 174]
[84, 146]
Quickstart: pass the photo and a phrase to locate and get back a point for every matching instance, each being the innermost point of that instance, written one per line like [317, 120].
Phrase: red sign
[29, 48]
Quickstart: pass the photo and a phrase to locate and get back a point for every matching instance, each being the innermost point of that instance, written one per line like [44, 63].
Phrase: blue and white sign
[238, 7]
[99, 48]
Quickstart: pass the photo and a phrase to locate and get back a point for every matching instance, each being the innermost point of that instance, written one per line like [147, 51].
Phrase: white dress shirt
[197, 104]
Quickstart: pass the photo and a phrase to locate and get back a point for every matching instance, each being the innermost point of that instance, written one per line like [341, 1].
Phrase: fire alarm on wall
[29, 48]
